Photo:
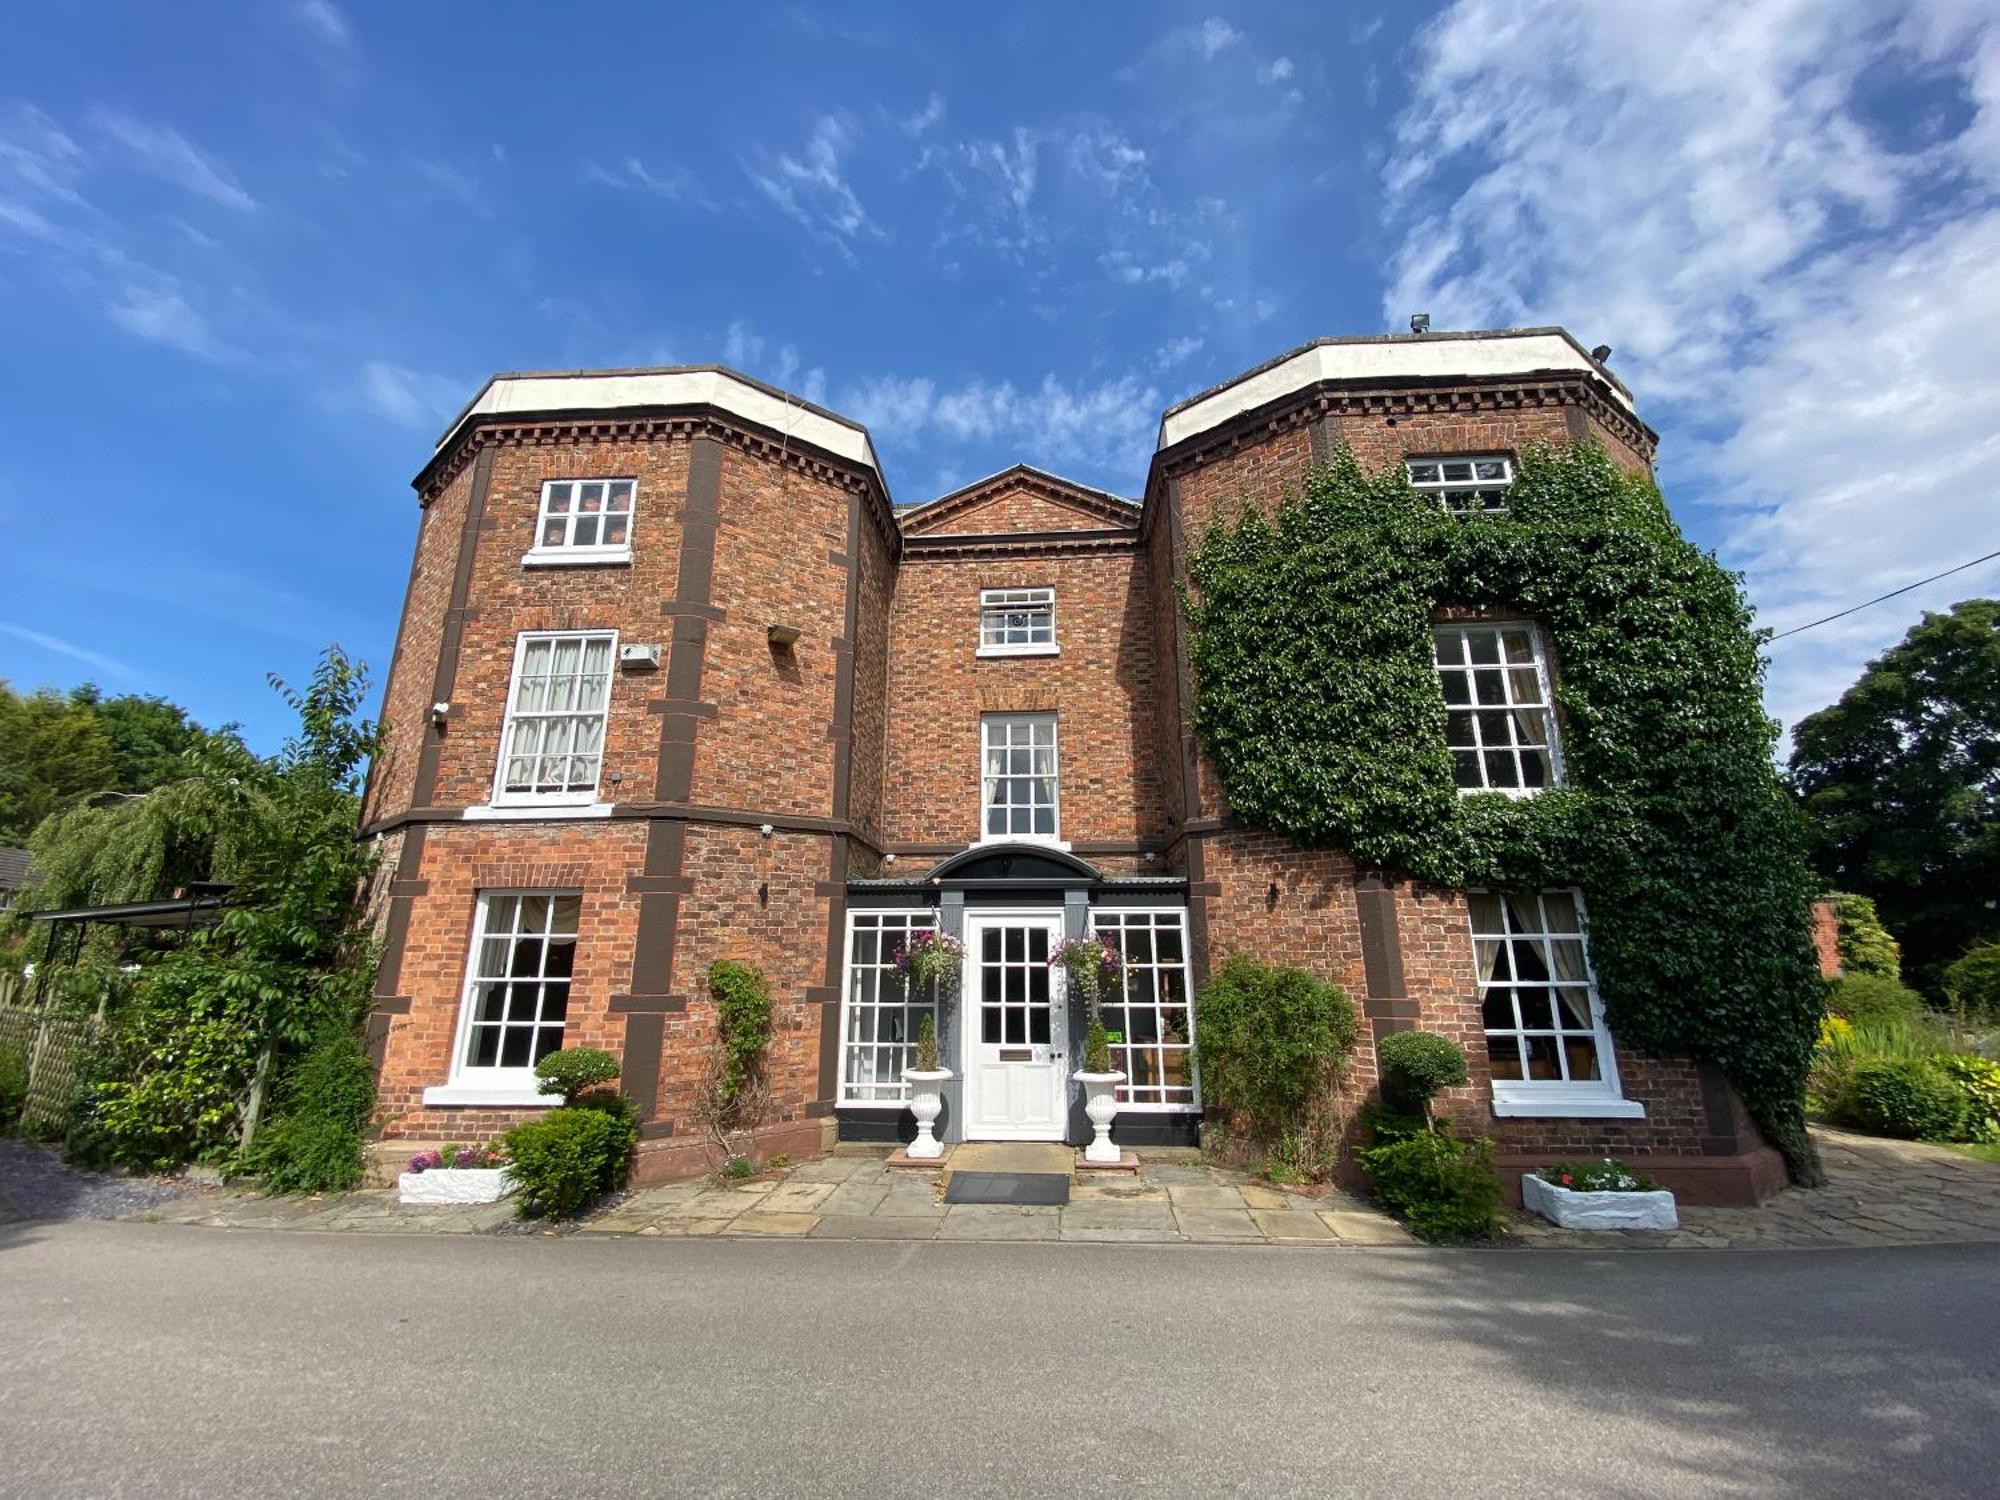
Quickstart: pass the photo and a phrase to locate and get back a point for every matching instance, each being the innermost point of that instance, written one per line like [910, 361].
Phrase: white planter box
[1573, 1210]
[454, 1185]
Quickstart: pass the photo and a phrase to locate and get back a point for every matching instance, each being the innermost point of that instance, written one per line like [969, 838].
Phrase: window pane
[1535, 1001]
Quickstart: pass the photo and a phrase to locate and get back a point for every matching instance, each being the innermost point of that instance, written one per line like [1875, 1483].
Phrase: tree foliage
[287, 960]
[1901, 786]
[1866, 946]
[58, 750]
[1318, 700]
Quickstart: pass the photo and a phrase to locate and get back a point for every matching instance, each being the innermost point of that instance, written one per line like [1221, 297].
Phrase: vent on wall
[639, 658]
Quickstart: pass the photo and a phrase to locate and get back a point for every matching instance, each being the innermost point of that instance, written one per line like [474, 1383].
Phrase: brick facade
[747, 782]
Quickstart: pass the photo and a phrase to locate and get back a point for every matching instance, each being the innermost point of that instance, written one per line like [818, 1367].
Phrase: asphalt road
[157, 1361]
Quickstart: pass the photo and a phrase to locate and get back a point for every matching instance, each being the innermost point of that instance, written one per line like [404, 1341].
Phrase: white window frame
[515, 1088]
[566, 554]
[502, 798]
[1446, 490]
[1053, 838]
[1002, 602]
[917, 919]
[1595, 1099]
[1538, 647]
[1121, 1053]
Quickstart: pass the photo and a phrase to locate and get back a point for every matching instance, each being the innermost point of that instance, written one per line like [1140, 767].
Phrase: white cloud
[170, 156]
[443, 180]
[324, 20]
[925, 118]
[1277, 70]
[39, 162]
[634, 176]
[62, 647]
[1176, 352]
[811, 188]
[1214, 37]
[164, 316]
[1799, 298]
[408, 397]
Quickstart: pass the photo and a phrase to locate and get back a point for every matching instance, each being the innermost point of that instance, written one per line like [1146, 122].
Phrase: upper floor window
[553, 745]
[1498, 719]
[1017, 622]
[1474, 485]
[584, 521]
[1017, 795]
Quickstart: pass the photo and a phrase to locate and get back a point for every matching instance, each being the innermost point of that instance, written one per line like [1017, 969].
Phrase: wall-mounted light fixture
[766, 829]
[1420, 322]
[784, 637]
[440, 712]
[1601, 353]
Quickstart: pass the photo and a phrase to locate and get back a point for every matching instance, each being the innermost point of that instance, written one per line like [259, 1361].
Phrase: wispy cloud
[442, 180]
[164, 316]
[409, 397]
[925, 118]
[1766, 257]
[324, 20]
[167, 154]
[1213, 37]
[632, 175]
[61, 647]
[811, 188]
[1175, 353]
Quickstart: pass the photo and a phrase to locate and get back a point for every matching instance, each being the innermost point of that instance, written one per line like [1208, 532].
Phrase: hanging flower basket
[1092, 967]
[930, 958]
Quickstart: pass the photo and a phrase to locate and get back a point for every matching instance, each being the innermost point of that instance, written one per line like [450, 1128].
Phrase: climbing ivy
[1318, 701]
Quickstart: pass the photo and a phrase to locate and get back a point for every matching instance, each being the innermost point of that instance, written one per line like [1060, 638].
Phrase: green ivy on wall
[1318, 701]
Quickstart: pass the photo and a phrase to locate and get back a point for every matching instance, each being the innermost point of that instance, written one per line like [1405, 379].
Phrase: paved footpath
[1878, 1192]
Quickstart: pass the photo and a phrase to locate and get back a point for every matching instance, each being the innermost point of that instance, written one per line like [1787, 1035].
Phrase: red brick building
[677, 681]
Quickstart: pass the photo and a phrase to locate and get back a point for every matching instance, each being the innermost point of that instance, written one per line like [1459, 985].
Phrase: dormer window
[1474, 485]
[1017, 622]
[583, 521]
[1499, 721]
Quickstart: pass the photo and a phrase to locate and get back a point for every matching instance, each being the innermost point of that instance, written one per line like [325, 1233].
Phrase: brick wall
[1008, 506]
[1103, 689]
[1826, 938]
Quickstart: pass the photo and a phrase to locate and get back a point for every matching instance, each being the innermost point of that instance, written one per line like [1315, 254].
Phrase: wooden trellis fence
[54, 1046]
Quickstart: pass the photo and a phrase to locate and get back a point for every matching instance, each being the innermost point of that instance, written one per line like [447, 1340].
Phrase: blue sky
[251, 259]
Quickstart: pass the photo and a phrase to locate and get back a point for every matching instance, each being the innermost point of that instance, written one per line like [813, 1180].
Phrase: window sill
[1560, 1107]
[1019, 651]
[490, 1096]
[575, 557]
[502, 812]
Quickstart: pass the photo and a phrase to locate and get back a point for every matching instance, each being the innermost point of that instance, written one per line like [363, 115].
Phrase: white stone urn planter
[1567, 1209]
[926, 1103]
[454, 1185]
[1100, 1103]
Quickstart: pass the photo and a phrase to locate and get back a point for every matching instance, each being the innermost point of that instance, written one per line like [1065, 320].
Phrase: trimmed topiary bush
[1444, 1188]
[1416, 1067]
[1909, 1099]
[572, 1071]
[1269, 1041]
[568, 1159]
[1870, 1000]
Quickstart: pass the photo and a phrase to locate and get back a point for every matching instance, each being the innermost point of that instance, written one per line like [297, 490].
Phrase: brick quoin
[749, 782]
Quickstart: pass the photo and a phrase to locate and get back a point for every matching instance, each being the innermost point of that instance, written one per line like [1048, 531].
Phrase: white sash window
[552, 747]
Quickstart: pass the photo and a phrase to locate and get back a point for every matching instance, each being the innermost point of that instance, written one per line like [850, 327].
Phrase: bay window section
[1545, 1034]
[1148, 1008]
[879, 1017]
[516, 1002]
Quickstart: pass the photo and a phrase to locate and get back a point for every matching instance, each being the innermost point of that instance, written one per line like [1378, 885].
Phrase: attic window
[1476, 484]
[1017, 622]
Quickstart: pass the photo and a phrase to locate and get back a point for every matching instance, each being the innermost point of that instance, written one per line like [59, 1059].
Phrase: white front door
[1016, 1073]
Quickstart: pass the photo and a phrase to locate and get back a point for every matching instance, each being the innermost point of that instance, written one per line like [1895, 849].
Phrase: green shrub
[1978, 1081]
[1911, 1099]
[1843, 1046]
[572, 1071]
[1865, 944]
[1869, 999]
[13, 1085]
[1096, 1047]
[1444, 1188]
[1973, 983]
[1269, 1041]
[315, 1143]
[1416, 1067]
[568, 1159]
[739, 1167]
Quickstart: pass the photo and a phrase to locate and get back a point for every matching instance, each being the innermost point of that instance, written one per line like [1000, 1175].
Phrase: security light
[1420, 322]
[783, 635]
[1601, 353]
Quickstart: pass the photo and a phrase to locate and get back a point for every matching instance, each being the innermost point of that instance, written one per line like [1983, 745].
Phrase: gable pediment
[1020, 500]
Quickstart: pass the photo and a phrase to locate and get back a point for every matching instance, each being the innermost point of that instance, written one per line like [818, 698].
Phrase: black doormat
[1007, 1187]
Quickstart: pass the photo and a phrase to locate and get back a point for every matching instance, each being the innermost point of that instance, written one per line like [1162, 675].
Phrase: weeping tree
[226, 1021]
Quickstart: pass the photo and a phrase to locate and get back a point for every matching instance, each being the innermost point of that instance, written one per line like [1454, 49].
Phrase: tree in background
[1900, 781]
[57, 750]
[1866, 946]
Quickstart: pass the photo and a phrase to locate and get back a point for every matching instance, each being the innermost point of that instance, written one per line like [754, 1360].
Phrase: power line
[1890, 595]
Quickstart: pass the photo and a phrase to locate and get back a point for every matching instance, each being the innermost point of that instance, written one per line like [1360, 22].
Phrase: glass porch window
[1150, 1009]
[1499, 722]
[879, 1017]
